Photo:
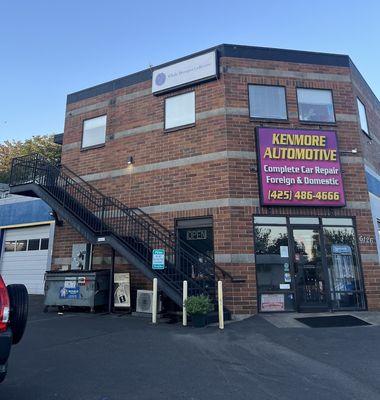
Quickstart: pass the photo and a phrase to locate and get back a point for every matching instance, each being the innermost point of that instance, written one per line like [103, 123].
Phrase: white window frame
[103, 139]
[251, 103]
[298, 89]
[190, 121]
[364, 129]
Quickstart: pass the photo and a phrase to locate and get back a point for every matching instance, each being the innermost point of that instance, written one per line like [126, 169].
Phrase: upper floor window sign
[94, 131]
[315, 105]
[183, 73]
[267, 102]
[363, 117]
[180, 110]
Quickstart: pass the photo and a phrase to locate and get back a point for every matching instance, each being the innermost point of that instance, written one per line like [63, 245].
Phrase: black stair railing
[107, 216]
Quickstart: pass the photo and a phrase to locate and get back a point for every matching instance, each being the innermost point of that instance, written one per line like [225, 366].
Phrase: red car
[13, 316]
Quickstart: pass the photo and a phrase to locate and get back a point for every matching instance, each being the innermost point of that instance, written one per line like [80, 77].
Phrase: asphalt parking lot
[108, 357]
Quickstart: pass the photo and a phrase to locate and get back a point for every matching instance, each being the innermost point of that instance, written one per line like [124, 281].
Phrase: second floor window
[267, 102]
[180, 110]
[315, 105]
[363, 117]
[94, 131]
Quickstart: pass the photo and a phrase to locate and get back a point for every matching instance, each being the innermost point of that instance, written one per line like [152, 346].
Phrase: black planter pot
[199, 320]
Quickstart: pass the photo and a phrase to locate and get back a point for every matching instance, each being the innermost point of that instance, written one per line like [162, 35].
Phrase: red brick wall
[224, 178]
[371, 148]
[371, 155]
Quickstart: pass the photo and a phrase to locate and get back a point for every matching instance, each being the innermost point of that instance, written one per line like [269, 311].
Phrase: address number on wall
[366, 239]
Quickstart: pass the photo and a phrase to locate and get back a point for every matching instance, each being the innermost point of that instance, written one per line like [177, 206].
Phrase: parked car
[14, 305]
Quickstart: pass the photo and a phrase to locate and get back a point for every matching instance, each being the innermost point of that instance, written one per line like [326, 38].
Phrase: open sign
[196, 234]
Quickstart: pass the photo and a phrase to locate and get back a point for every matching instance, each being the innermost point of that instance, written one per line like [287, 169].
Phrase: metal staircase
[130, 231]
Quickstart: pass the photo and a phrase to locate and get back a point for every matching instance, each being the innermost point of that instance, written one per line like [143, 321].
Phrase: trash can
[77, 289]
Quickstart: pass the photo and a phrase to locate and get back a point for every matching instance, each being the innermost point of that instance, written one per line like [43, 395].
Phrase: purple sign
[160, 79]
[299, 168]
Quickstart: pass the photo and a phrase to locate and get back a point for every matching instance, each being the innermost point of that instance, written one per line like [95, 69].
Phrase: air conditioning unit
[145, 301]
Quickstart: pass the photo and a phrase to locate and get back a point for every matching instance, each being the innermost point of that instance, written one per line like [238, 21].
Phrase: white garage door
[25, 257]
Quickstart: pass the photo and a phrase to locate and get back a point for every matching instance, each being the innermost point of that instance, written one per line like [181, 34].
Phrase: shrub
[198, 305]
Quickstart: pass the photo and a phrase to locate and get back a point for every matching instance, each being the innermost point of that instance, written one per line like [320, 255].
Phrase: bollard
[220, 305]
[184, 312]
[154, 303]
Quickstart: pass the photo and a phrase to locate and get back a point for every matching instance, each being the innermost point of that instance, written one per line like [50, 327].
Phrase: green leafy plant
[41, 144]
[198, 305]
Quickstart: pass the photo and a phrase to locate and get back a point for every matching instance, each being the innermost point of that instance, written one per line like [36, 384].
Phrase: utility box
[80, 256]
[77, 289]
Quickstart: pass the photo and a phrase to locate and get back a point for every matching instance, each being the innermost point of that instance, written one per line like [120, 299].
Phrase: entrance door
[197, 241]
[311, 292]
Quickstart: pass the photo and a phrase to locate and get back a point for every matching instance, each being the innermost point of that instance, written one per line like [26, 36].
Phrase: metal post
[184, 312]
[220, 305]
[112, 274]
[102, 215]
[64, 194]
[91, 257]
[148, 243]
[12, 171]
[154, 303]
[35, 168]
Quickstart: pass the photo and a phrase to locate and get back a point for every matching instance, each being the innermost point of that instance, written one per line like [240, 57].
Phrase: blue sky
[51, 48]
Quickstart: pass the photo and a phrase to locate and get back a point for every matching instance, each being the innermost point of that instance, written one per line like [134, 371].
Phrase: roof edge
[225, 50]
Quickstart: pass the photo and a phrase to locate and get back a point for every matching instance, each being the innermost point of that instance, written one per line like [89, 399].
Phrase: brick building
[180, 142]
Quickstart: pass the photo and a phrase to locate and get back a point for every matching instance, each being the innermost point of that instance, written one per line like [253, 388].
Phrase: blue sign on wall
[158, 259]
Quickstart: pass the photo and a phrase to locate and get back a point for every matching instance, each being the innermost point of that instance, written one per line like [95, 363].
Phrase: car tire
[19, 304]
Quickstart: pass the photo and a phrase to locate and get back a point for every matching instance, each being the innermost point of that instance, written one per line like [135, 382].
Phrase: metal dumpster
[77, 288]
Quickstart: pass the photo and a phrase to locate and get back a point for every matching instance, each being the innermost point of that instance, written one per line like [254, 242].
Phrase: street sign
[158, 259]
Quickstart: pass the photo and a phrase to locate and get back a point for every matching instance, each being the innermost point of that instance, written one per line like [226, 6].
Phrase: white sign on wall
[122, 290]
[185, 72]
[272, 302]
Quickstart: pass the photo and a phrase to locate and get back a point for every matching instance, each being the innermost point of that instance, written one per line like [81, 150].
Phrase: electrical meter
[80, 256]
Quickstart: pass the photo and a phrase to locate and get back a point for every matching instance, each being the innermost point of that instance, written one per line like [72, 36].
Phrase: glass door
[311, 292]
[197, 241]
[344, 272]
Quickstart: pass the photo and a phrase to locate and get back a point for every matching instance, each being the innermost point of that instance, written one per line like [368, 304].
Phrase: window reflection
[10, 245]
[306, 245]
[269, 239]
[315, 105]
[343, 267]
[308, 268]
[21, 245]
[273, 268]
[321, 267]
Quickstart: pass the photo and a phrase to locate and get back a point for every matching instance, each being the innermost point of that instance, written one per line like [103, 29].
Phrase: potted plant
[198, 307]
